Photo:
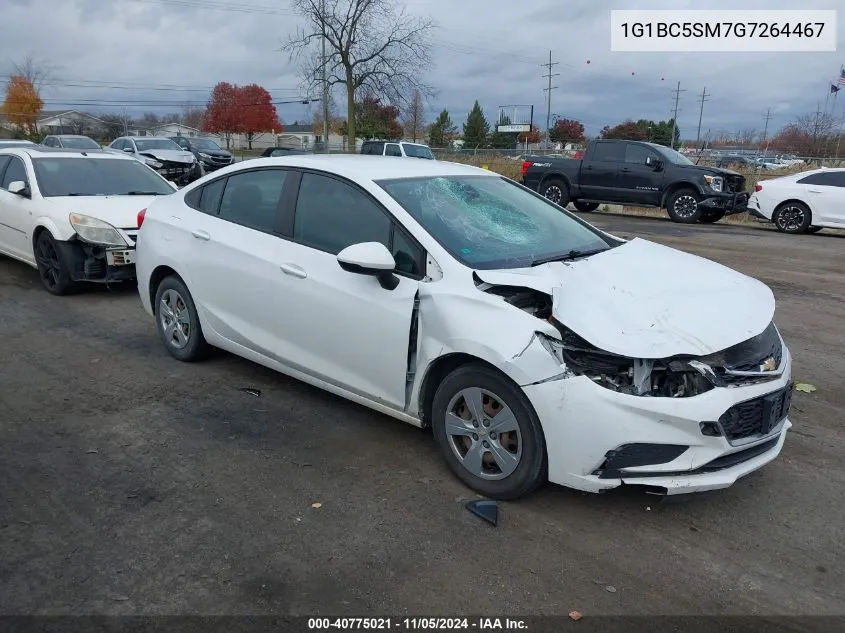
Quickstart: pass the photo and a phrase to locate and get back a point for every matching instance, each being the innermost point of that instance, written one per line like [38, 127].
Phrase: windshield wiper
[143, 193]
[573, 254]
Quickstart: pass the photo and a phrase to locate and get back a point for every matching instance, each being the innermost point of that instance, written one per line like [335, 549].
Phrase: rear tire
[177, 321]
[500, 458]
[555, 190]
[55, 276]
[711, 217]
[682, 206]
[792, 217]
[586, 207]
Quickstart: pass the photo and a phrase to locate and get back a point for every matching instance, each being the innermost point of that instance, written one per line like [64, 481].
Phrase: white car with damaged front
[536, 346]
[806, 202]
[72, 214]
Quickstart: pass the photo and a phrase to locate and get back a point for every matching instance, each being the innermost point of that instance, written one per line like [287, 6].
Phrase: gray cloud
[491, 51]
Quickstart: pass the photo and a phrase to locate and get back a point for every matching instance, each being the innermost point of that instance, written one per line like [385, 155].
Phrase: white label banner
[723, 31]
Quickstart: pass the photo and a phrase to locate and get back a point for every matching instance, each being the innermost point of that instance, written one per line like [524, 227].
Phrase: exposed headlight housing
[715, 182]
[205, 156]
[153, 163]
[667, 378]
[96, 231]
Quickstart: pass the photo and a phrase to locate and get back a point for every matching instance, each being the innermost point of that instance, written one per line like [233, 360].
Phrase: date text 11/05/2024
[418, 624]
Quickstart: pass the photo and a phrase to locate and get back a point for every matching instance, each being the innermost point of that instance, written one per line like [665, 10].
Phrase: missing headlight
[667, 378]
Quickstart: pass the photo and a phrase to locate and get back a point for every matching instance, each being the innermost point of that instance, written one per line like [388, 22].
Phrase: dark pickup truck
[638, 174]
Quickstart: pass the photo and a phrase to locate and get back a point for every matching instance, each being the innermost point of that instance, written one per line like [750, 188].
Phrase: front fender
[683, 184]
[59, 231]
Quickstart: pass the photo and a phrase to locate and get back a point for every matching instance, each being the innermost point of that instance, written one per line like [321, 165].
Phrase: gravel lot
[133, 484]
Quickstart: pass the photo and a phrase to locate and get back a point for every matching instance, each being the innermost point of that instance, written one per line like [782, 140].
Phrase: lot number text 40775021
[422, 624]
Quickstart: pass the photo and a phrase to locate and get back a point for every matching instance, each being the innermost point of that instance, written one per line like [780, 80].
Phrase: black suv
[209, 154]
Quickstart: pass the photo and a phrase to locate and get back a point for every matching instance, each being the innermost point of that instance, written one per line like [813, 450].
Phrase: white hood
[645, 300]
[119, 211]
[175, 155]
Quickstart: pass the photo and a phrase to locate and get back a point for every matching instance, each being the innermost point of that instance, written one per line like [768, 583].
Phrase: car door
[15, 211]
[231, 258]
[598, 176]
[639, 182]
[345, 328]
[826, 196]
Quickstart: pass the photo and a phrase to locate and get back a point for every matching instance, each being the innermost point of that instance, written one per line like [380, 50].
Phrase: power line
[548, 91]
[124, 85]
[767, 116]
[703, 98]
[677, 92]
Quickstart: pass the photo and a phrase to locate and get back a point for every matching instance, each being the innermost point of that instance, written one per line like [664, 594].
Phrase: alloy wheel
[49, 266]
[790, 219]
[483, 433]
[175, 319]
[685, 206]
[554, 194]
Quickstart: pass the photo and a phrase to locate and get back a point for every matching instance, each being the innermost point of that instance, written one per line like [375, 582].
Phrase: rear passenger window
[608, 151]
[209, 199]
[392, 149]
[252, 198]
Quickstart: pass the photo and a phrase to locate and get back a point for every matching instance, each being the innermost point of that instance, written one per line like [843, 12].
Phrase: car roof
[37, 151]
[150, 138]
[357, 166]
[69, 136]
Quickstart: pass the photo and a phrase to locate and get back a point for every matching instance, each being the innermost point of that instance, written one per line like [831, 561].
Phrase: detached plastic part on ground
[486, 509]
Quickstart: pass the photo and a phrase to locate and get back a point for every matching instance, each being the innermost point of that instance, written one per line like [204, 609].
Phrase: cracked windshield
[488, 222]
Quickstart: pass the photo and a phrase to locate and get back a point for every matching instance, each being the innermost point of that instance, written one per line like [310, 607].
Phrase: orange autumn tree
[222, 115]
[22, 104]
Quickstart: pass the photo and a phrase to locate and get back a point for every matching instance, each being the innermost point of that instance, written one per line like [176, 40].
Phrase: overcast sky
[152, 55]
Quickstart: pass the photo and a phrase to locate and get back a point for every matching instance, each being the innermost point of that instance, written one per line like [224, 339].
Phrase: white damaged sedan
[534, 345]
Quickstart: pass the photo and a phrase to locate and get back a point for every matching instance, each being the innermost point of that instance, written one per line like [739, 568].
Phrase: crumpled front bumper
[584, 422]
[729, 203]
[96, 263]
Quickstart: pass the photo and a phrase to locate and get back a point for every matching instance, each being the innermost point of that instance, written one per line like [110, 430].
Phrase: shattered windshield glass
[487, 222]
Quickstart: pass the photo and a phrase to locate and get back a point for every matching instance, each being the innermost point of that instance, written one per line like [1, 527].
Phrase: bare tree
[192, 116]
[413, 117]
[372, 44]
[35, 71]
[745, 137]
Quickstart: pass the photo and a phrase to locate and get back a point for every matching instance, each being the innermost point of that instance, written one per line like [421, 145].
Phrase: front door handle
[201, 235]
[624, 169]
[293, 270]
[814, 190]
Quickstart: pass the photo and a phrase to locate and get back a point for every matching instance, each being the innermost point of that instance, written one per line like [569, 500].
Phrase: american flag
[842, 76]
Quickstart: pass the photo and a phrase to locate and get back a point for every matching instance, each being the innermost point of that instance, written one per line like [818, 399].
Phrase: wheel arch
[677, 186]
[556, 175]
[793, 201]
[159, 274]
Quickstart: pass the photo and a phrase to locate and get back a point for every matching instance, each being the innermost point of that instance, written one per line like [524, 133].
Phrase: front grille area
[757, 416]
[221, 161]
[734, 184]
[170, 168]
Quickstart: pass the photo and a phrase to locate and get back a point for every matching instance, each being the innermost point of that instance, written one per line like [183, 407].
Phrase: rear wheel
[792, 217]
[556, 191]
[51, 268]
[177, 321]
[711, 217]
[586, 207]
[489, 433]
[682, 206]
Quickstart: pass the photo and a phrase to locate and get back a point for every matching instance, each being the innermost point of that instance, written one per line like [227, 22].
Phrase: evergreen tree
[443, 131]
[476, 129]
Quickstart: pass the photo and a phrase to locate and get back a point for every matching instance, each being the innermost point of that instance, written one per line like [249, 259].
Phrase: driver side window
[637, 154]
[16, 171]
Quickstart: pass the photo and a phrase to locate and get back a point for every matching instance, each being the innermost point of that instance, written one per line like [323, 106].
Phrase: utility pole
[704, 96]
[325, 82]
[548, 90]
[677, 92]
[766, 127]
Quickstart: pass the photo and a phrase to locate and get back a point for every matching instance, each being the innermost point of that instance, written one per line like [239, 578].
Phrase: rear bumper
[730, 203]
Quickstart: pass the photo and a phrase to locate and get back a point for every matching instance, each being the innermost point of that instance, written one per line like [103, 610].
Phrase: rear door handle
[814, 190]
[624, 169]
[293, 270]
[201, 235]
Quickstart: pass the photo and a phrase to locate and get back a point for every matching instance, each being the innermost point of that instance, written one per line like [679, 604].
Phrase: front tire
[682, 206]
[51, 268]
[177, 321]
[586, 207]
[711, 217]
[557, 191]
[792, 217]
[489, 433]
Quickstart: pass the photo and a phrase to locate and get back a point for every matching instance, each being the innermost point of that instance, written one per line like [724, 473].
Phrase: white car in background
[805, 202]
[73, 214]
[535, 345]
[162, 154]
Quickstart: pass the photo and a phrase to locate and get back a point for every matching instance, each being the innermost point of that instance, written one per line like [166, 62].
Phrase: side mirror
[370, 258]
[654, 163]
[19, 188]
[127, 149]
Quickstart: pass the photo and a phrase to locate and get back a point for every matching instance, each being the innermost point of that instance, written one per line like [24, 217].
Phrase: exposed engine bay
[675, 377]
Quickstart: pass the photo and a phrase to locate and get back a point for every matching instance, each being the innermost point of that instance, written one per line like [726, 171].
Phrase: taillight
[525, 165]
[141, 215]
[758, 187]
